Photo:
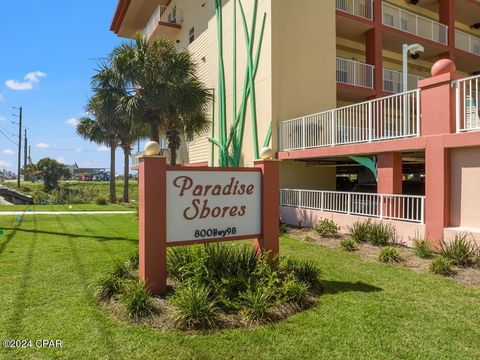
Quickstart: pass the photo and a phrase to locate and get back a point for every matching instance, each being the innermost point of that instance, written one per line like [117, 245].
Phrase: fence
[414, 24]
[467, 106]
[354, 73]
[391, 117]
[361, 8]
[393, 81]
[381, 206]
[466, 42]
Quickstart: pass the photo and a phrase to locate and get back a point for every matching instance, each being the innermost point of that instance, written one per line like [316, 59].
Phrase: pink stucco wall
[308, 218]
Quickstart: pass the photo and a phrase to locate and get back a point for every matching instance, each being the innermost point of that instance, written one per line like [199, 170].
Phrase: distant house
[87, 173]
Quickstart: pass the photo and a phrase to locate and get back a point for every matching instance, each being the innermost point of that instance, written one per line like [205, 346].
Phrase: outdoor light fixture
[266, 153]
[414, 50]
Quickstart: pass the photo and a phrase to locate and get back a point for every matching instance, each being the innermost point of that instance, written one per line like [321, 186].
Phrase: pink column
[437, 188]
[389, 167]
[152, 223]
[374, 46]
[438, 118]
[447, 17]
[270, 207]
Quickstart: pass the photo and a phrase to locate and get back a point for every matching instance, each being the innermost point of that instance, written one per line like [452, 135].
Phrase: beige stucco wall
[465, 187]
[298, 175]
[303, 59]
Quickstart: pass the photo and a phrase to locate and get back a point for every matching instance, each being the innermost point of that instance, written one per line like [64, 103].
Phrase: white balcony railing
[414, 24]
[166, 14]
[466, 42]
[467, 105]
[391, 117]
[381, 206]
[354, 73]
[393, 81]
[361, 8]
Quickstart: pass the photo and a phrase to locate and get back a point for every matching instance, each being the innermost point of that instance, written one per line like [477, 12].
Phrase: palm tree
[162, 89]
[103, 127]
[129, 132]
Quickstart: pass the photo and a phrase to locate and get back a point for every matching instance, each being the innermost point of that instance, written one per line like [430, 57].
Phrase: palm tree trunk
[113, 195]
[173, 156]
[126, 172]
[154, 132]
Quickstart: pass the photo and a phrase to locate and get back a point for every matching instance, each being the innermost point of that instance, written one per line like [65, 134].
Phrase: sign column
[152, 223]
[269, 241]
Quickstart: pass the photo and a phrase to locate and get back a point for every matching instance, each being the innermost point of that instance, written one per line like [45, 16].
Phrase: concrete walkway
[9, 213]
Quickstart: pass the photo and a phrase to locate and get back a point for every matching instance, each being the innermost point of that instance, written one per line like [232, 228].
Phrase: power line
[60, 149]
[8, 138]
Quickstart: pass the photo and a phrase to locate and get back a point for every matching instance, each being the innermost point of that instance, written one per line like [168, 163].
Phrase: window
[191, 35]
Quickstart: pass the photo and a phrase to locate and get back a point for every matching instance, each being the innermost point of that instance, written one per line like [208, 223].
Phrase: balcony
[354, 73]
[393, 81]
[414, 24]
[387, 118]
[466, 42]
[381, 206]
[165, 22]
[360, 8]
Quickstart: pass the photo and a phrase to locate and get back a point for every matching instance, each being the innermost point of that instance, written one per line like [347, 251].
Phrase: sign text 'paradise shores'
[213, 204]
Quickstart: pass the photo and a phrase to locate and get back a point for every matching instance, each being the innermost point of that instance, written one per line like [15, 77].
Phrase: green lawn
[368, 310]
[74, 207]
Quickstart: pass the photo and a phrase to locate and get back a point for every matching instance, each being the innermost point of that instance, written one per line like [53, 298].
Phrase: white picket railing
[414, 24]
[167, 14]
[467, 42]
[467, 105]
[393, 81]
[391, 117]
[382, 206]
[361, 8]
[354, 73]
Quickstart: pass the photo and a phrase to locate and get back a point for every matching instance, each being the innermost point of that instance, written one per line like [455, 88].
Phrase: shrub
[193, 307]
[381, 233]
[308, 238]
[255, 305]
[282, 229]
[348, 244]
[121, 270]
[389, 254]
[422, 248]
[294, 291]
[101, 200]
[137, 300]
[441, 266]
[133, 261]
[327, 227]
[360, 230]
[107, 286]
[304, 271]
[460, 251]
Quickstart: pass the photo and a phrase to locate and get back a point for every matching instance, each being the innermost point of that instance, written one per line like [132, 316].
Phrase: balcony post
[303, 133]
[333, 127]
[370, 122]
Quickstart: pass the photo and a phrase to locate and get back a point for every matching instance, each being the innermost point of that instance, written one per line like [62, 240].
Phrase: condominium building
[354, 141]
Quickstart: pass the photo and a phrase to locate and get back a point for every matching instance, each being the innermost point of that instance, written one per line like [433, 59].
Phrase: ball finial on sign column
[266, 153]
[152, 148]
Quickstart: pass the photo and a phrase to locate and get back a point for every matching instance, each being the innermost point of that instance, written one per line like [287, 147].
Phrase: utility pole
[20, 113]
[25, 150]
[29, 155]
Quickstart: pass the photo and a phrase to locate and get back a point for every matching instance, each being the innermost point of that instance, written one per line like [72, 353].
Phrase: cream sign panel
[212, 204]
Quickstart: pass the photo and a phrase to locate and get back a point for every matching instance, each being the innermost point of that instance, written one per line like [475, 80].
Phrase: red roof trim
[120, 12]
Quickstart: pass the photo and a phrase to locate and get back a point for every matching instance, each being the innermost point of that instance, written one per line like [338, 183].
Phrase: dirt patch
[369, 252]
